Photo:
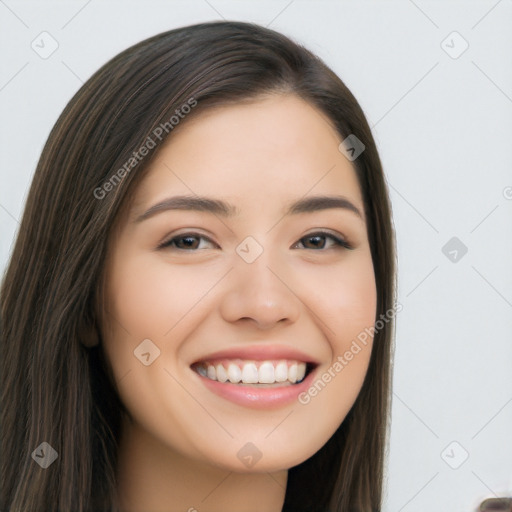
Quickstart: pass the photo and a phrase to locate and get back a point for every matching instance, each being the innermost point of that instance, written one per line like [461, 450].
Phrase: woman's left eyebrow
[221, 208]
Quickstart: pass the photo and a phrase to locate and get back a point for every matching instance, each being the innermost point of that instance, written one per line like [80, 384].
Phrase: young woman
[198, 310]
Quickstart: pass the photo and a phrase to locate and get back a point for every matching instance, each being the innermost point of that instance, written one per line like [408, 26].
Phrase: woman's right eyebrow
[221, 208]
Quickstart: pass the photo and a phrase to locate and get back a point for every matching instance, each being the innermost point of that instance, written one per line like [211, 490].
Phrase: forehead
[276, 148]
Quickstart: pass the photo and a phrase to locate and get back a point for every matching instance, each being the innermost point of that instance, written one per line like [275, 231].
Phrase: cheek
[139, 307]
[357, 304]
[346, 309]
[146, 299]
[345, 303]
[344, 298]
[149, 297]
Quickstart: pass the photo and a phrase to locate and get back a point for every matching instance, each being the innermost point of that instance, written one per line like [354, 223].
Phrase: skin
[179, 446]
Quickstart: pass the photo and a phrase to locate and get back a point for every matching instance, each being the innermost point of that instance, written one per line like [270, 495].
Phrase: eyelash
[339, 242]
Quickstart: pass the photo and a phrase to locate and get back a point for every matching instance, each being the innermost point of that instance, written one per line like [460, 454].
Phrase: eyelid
[170, 238]
[340, 241]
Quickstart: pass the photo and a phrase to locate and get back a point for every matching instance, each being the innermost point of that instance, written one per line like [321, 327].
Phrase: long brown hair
[56, 389]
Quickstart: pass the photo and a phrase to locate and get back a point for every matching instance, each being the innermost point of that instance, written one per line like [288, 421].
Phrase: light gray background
[444, 131]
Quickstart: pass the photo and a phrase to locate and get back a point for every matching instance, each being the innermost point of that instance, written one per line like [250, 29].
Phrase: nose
[259, 293]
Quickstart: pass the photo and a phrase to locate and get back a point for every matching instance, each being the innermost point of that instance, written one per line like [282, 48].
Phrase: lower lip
[258, 398]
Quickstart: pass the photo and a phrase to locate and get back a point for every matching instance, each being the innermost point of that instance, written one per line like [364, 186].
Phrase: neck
[154, 478]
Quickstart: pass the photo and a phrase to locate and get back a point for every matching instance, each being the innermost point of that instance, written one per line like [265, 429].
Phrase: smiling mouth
[269, 373]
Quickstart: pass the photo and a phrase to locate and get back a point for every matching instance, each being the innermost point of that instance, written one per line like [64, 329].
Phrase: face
[202, 295]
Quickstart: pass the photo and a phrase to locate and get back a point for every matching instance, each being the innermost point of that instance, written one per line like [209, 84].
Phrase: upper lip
[260, 353]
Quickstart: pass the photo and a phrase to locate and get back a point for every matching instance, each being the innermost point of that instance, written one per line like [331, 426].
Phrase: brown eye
[184, 242]
[317, 241]
[192, 241]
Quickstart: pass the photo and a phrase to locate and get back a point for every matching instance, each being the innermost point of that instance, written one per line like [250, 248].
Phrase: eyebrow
[223, 209]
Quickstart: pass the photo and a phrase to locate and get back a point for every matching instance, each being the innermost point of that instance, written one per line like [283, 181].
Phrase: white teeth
[266, 373]
[212, 374]
[249, 373]
[301, 371]
[222, 376]
[281, 372]
[234, 373]
[292, 373]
